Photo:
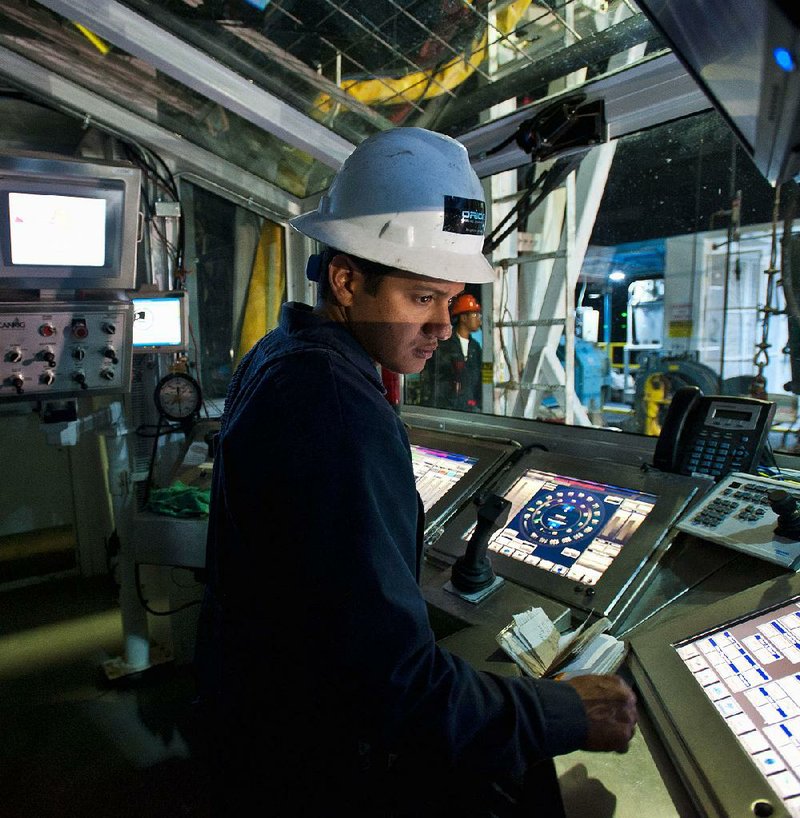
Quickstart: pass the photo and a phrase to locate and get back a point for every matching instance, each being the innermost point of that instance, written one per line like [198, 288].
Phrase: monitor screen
[436, 472]
[159, 323]
[572, 535]
[575, 528]
[749, 671]
[449, 468]
[53, 230]
[743, 56]
[67, 223]
[719, 675]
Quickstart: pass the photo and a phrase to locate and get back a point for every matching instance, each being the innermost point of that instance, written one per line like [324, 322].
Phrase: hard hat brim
[437, 263]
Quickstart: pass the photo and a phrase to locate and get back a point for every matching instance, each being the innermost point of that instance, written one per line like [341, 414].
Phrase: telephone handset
[712, 434]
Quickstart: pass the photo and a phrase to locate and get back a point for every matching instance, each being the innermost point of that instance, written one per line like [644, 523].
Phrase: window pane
[679, 284]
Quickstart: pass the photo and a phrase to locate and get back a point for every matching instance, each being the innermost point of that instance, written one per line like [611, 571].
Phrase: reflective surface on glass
[679, 286]
[356, 66]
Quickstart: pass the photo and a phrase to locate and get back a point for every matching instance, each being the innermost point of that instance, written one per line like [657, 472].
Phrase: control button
[47, 330]
[79, 328]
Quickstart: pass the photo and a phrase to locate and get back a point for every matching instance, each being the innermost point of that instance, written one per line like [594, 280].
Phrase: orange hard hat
[466, 302]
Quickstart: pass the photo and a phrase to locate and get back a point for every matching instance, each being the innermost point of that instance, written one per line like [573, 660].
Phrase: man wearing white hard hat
[319, 673]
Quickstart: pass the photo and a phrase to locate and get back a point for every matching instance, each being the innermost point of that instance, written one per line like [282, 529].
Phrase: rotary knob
[110, 353]
[79, 353]
[107, 374]
[80, 378]
[48, 356]
[47, 377]
[14, 356]
[17, 381]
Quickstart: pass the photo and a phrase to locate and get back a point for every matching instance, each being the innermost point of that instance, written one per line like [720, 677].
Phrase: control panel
[756, 515]
[64, 349]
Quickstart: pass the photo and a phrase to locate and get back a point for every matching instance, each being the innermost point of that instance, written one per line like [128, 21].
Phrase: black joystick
[785, 506]
[473, 572]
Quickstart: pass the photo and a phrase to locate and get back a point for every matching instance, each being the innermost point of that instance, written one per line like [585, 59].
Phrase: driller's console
[64, 349]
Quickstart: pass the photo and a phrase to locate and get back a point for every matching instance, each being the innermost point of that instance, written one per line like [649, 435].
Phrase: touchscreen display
[436, 472]
[57, 230]
[750, 670]
[567, 526]
[157, 322]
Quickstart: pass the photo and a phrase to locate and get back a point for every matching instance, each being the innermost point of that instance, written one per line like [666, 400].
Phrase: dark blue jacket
[315, 643]
[452, 381]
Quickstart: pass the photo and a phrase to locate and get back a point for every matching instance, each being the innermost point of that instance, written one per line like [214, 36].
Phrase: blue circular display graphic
[568, 517]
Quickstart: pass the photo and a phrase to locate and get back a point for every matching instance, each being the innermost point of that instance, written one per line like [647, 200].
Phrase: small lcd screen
[732, 414]
[575, 528]
[750, 670]
[52, 230]
[436, 472]
[158, 322]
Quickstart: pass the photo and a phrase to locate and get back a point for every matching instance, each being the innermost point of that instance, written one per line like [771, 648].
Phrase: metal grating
[367, 64]
[349, 67]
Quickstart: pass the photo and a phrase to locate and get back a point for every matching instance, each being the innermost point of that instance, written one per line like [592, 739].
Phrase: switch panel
[737, 513]
[60, 349]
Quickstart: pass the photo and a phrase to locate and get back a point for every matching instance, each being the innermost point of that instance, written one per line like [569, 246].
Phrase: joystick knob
[784, 505]
[473, 572]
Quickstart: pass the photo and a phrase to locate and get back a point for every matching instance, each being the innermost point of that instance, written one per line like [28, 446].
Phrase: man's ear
[341, 274]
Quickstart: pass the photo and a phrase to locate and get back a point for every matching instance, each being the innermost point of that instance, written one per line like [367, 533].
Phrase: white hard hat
[407, 198]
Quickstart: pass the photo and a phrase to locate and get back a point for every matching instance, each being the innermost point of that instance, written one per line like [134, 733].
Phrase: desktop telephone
[712, 434]
[724, 437]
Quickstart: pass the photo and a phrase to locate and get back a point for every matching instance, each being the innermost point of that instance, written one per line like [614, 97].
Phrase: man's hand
[610, 709]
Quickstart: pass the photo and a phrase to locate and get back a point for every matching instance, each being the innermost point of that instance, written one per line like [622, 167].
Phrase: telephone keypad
[717, 453]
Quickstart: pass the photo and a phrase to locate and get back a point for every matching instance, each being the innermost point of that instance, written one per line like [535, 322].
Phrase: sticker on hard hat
[464, 215]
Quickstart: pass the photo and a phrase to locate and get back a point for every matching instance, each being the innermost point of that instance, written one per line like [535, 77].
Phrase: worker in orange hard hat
[452, 379]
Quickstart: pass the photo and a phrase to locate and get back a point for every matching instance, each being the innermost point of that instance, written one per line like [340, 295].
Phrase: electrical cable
[146, 605]
[150, 468]
[546, 183]
[786, 264]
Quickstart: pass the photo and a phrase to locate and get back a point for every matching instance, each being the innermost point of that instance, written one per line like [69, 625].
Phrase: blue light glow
[784, 59]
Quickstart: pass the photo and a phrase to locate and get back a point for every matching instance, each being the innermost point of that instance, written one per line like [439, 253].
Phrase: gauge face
[178, 396]
[562, 517]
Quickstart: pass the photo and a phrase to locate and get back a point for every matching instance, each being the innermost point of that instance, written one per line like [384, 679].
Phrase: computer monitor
[450, 468]
[67, 223]
[744, 57]
[722, 683]
[160, 322]
[578, 531]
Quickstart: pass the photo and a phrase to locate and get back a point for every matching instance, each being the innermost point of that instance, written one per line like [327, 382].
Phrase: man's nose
[440, 326]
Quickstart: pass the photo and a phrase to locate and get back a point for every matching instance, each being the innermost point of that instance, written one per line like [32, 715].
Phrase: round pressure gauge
[178, 396]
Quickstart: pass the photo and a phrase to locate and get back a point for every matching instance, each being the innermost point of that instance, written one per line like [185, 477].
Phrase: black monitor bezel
[714, 767]
[672, 492]
[489, 454]
[773, 149]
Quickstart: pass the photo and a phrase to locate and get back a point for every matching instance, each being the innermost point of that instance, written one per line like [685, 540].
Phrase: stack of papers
[535, 644]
